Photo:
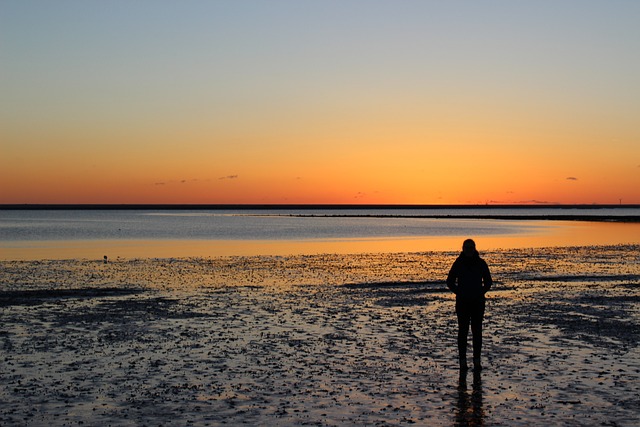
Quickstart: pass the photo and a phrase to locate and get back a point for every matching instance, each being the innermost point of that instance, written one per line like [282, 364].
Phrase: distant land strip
[60, 206]
[597, 218]
[254, 207]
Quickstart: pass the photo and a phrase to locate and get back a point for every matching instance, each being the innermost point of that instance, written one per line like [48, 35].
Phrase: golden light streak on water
[548, 233]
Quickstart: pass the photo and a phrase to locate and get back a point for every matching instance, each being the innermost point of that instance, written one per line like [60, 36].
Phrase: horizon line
[255, 206]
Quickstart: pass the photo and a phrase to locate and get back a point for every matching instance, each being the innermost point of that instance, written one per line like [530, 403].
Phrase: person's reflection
[469, 408]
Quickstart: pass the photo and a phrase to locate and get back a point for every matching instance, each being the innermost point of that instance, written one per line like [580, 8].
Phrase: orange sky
[422, 102]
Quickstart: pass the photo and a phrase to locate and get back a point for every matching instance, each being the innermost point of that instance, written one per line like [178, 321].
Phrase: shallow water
[540, 234]
[34, 235]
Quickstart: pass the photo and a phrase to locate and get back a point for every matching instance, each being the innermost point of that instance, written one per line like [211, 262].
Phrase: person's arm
[451, 279]
[487, 281]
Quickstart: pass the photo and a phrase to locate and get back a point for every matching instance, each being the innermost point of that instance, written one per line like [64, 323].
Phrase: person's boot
[477, 365]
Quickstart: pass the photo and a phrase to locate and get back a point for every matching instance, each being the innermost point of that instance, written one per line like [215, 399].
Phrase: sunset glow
[412, 102]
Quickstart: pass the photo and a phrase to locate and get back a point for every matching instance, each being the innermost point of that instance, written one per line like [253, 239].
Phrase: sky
[343, 102]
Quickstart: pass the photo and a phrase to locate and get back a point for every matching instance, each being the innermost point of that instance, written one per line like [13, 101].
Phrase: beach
[324, 339]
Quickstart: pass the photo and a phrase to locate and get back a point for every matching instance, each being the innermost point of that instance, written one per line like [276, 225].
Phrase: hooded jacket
[469, 277]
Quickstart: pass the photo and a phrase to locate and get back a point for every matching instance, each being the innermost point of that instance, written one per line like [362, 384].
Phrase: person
[470, 279]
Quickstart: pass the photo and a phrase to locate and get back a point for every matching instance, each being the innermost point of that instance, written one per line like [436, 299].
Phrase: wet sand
[362, 339]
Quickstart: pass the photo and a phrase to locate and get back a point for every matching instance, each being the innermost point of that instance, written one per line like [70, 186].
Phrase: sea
[164, 232]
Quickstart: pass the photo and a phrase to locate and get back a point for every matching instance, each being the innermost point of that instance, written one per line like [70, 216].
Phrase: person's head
[469, 248]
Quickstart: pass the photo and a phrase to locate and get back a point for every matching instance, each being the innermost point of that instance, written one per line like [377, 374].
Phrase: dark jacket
[469, 277]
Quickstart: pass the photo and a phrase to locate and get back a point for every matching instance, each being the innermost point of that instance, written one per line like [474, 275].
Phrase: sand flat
[365, 339]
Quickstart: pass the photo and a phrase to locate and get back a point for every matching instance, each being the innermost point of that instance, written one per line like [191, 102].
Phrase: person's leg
[477, 315]
[464, 318]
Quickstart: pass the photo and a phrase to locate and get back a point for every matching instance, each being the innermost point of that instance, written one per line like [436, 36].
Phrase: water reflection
[469, 409]
[551, 233]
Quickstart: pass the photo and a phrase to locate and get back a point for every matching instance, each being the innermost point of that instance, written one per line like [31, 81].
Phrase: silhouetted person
[469, 278]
